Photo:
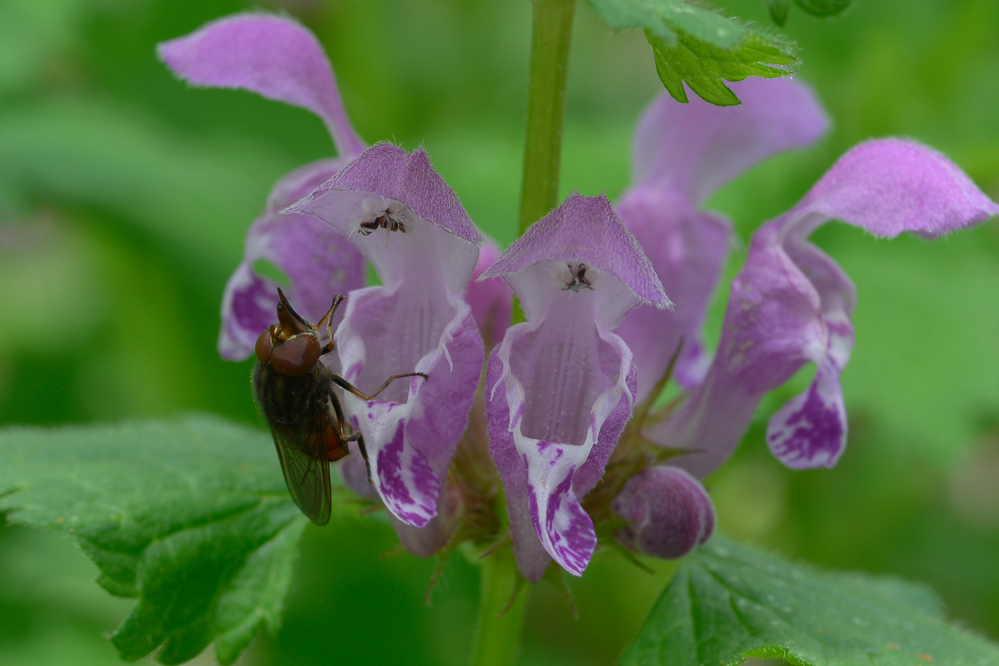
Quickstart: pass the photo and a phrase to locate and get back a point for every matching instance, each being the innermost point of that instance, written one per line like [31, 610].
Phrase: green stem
[551, 36]
[501, 611]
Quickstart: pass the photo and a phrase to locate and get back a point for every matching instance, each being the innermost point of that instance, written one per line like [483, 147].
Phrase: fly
[295, 392]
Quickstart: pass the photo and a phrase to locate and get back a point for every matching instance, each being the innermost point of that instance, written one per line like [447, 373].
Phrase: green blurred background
[124, 197]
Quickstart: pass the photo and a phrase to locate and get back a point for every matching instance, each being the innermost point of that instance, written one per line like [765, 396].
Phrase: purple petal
[318, 261]
[888, 186]
[412, 428]
[532, 558]
[543, 479]
[692, 149]
[421, 541]
[669, 511]
[810, 430]
[688, 250]
[269, 55]
[582, 230]
[432, 537]
[491, 299]
[791, 304]
[692, 366]
[683, 152]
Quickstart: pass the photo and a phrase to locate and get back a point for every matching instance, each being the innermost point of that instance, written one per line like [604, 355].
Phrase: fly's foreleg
[347, 386]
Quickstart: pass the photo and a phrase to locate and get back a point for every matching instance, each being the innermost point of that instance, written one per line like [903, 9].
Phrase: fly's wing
[304, 455]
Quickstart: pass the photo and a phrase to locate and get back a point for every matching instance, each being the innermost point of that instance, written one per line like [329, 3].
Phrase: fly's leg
[339, 449]
[347, 386]
[338, 410]
[328, 318]
[359, 438]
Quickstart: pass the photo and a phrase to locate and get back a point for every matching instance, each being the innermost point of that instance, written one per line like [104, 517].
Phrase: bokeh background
[124, 197]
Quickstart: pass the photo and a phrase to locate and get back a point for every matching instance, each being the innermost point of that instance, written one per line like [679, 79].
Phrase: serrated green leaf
[823, 7]
[729, 602]
[778, 10]
[192, 517]
[703, 66]
[699, 46]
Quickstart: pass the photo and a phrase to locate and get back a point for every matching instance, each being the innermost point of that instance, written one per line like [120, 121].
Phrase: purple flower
[409, 224]
[682, 154]
[569, 404]
[279, 59]
[791, 304]
[560, 387]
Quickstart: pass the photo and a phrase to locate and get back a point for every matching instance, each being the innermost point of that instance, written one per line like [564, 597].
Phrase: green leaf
[192, 517]
[823, 7]
[729, 602]
[703, 66]
[778, 10]
[699, 46]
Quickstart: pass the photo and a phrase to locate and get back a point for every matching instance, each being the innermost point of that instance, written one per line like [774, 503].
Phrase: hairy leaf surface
[729, 602]
[699, 47]
[191, 517]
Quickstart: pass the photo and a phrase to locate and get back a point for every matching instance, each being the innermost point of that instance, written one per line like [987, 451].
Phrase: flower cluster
[565, 424]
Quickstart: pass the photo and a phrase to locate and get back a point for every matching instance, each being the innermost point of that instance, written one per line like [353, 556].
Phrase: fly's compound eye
[264, 347]
[296, 356]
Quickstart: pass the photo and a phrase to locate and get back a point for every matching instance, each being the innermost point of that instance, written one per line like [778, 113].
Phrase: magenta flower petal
[279, 59]
[669, 512]
[271, 56]
[559, 388]
[688, 249]
[810, 429]
[692, 149]
[318, 261]
[791, 304]
[491, 299]
[682, 153]
[416, 321]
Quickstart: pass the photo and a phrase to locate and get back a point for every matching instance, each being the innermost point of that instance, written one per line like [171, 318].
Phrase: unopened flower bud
[669, 511]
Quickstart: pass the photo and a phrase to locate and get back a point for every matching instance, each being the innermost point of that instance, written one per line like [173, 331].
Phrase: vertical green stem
[551, 36]
[497, 639]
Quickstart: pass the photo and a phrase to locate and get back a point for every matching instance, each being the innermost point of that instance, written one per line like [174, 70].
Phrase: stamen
[392, 218]
[577, 278]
